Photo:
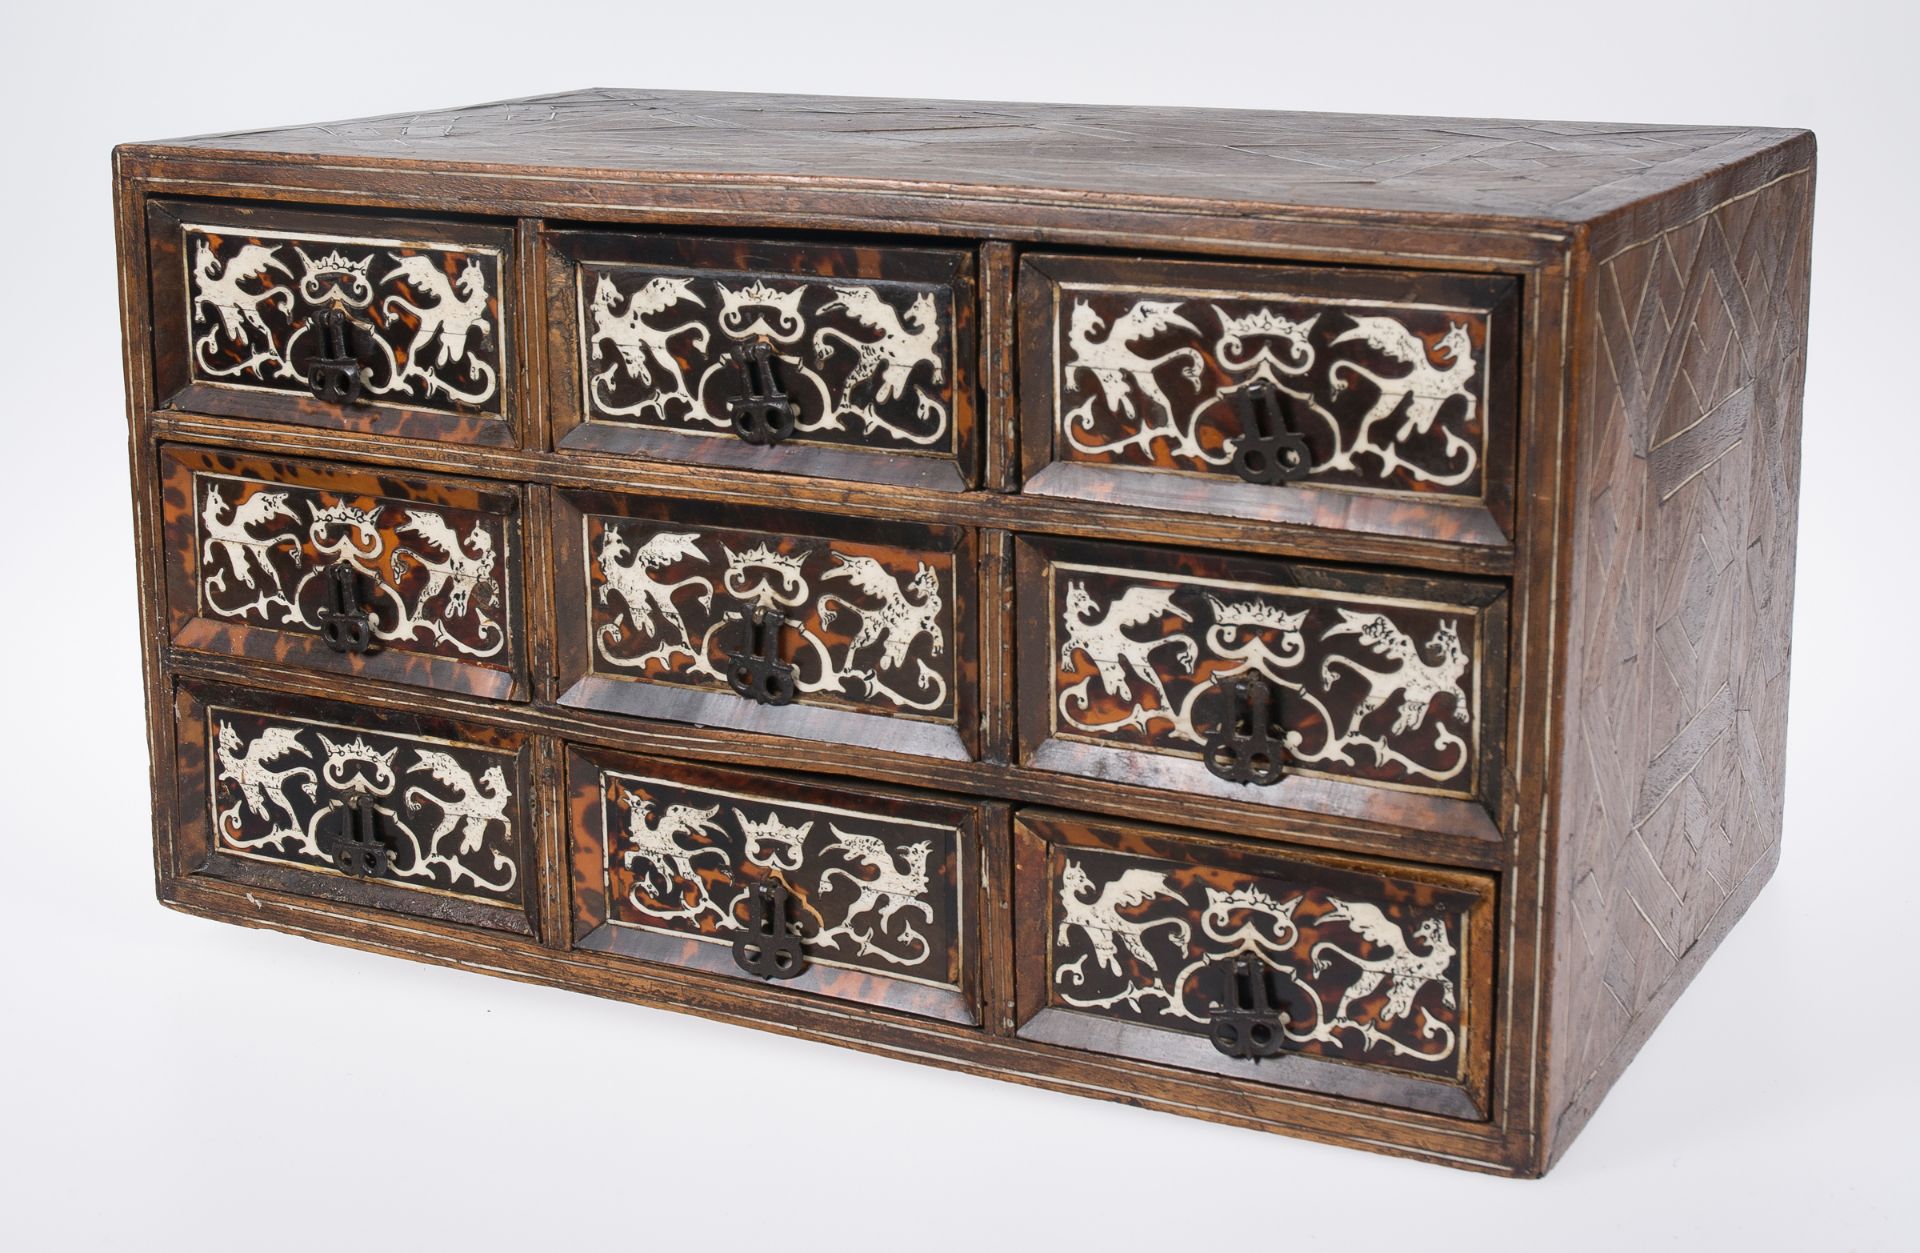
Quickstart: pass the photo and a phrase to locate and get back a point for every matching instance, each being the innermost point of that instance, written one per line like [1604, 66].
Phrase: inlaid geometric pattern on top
[1562, 171]
[1681, 614]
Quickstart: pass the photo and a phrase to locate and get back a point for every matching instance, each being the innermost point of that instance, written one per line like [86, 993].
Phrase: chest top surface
[1560, 172]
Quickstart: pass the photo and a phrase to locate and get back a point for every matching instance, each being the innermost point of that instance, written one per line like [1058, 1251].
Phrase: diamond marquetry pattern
[1680, 627]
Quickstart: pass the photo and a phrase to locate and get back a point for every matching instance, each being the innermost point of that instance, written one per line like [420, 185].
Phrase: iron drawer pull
[758, 673]
[769, 946]
[334, 373]
[763, 413]
[1245, 1021]
[344, 625]
[1250, 745]
[357, 849]
[1267, 453]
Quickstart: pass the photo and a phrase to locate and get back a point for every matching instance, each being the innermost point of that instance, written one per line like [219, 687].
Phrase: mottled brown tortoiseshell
[655, 602]
[663, 854]
[238, 323]
[436, 567]
[1382, 972]
[1376, 679]
[264, 779]
[873, 347]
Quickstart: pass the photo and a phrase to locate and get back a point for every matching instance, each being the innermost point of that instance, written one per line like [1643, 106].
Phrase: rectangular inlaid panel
[1367, 399]
[667, 858]
[871, 349]
[259, 553]
[874, 623]
[1383, 693]
[243, 297]
[403, 812]
[1379, 977]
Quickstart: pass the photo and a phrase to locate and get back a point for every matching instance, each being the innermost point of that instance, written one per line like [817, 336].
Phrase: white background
[170, 1083]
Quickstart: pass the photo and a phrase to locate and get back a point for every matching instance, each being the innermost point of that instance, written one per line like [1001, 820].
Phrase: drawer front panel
[874, 622]
[667, 856]
[256, 551]
[1128, 937]
[392, 811]
[871, 347]
[1130, 660]
[243, 297]
[1397, 386]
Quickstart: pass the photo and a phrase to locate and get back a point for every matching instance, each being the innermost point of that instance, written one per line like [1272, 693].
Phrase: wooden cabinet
[1276, 618]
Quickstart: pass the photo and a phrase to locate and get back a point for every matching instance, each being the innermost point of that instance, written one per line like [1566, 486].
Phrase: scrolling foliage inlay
[1386, 397]
[432, 314]
[865, 626]
[866, 362]
[869, 893]
[1368, 970]
[431, 578]
[1367, 687]
[444, 811]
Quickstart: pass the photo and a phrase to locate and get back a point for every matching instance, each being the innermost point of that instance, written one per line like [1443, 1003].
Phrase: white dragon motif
[893, 357]
[1418, 678]
[217, 287]
[453, 311]
[1408, 970]
[464, 568]
[1118, 367]
[657, 846]
[474, 808]
[639, 348]
[643, 597]
[1111, 650]
[900, 619]
[233, 538]
[251, 770]
[898, 351]
[894, 887]
[1429, 386]
[1100, 918]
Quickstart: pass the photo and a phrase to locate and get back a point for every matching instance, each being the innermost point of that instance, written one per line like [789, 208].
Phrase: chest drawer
[822, 627]
[1342, 691]
[394, 327]
[1324, 974]
[856, 895]
[410, 580]
[844, 362]
[399, 812]
[1348, 399]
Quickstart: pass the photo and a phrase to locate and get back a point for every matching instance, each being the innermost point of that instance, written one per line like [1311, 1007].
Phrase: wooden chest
[1272, 617]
